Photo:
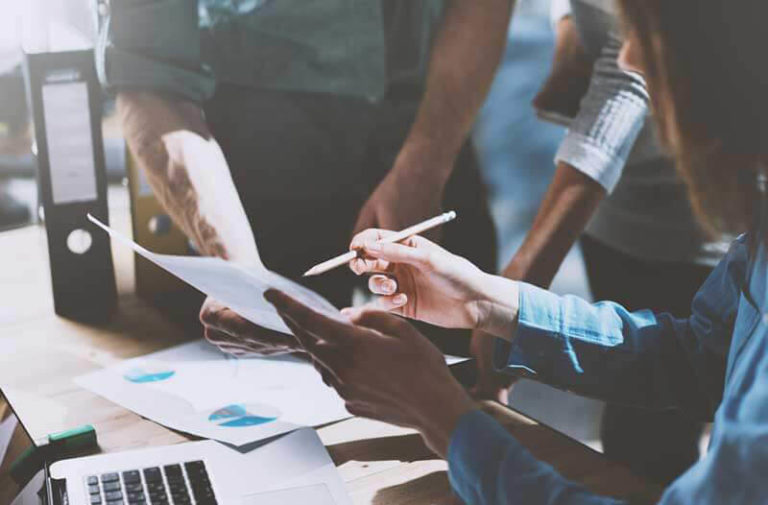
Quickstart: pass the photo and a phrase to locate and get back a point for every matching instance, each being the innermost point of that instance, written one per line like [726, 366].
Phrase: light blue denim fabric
[712, 364]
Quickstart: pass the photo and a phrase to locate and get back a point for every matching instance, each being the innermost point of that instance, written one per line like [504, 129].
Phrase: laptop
[294, 468]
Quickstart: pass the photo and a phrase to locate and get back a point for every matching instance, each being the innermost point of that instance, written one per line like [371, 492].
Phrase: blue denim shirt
[713, 364]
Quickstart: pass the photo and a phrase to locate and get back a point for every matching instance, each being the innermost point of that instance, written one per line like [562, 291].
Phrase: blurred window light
[43, 26]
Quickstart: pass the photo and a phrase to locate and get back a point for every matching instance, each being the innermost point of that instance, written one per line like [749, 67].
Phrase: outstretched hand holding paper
[239, 288]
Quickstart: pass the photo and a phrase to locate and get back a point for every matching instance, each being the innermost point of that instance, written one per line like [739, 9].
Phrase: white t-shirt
[613, 141]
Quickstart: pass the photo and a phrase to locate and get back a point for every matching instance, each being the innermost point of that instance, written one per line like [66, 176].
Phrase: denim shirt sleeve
[488, 466]
[733, 471]
[638, 358]
[154, 45]
[611, 116]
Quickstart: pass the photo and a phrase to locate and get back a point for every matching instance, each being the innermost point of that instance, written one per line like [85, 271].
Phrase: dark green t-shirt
[346, 47]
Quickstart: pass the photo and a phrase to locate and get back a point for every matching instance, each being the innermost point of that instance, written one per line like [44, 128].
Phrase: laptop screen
[14, 442]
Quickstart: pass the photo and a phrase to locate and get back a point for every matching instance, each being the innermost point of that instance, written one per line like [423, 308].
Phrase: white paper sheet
[6, 433]
[196, 389]
[70, 146]
[240, 289]
[316, 495]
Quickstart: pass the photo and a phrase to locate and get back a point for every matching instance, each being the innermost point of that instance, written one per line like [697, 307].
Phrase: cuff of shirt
[593, 161]
[559, 9]
[126, 70]
[538, 348]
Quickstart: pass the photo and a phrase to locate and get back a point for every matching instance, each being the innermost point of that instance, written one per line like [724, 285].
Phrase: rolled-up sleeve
[488, 466]
[559, 9]
[611, 116]
[652, 360]
[153, 45]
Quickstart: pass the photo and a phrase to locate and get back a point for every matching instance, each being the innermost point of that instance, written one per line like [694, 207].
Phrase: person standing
[299, 123]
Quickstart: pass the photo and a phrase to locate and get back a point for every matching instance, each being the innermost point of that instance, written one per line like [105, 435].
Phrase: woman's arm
[640, 358]
[601, 350]
[488, 466]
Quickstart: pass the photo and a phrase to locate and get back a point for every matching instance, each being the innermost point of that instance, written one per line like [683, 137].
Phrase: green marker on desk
[55, 446]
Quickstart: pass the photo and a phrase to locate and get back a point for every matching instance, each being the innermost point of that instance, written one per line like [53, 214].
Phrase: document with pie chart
[199, 390]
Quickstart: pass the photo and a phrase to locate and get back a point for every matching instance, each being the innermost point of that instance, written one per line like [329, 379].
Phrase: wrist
[498, 310]
[439, 423]
[426, 161]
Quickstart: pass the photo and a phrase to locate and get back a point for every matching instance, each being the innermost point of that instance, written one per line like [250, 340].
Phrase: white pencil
[397, 237]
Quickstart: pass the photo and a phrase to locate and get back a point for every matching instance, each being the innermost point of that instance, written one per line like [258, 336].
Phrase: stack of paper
[196, 389]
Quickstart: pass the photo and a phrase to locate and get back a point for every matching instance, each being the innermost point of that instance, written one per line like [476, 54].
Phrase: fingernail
[373, 246]
[400, 299]
[389, 286]
[272, 296]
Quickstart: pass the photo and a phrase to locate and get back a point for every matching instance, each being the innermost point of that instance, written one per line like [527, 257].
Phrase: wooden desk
[40, 353]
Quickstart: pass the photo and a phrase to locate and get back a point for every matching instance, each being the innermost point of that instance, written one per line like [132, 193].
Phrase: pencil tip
[309, 273]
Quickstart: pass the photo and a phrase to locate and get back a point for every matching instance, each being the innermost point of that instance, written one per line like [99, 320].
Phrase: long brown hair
[706, 64]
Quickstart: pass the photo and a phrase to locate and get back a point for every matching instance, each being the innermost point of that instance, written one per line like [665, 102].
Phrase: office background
[515, 149]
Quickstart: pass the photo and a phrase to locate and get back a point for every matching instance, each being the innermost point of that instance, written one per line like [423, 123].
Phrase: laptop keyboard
[182, 484]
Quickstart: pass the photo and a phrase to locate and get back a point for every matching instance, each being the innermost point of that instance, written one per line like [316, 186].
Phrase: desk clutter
[295, 468]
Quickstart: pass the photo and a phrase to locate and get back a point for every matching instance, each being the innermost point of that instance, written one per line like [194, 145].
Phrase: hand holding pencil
[418, 279]
[416, 229]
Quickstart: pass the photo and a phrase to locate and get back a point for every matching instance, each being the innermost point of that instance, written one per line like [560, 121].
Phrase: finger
[233, 323]
[363, 265]
[383, 322]
[366, 265]
[359, 409]
[382, 285]
[322, 354]
[258, 343]
[329, 379]
[234, 351]
[318, 325]
[369, 235]
[399, 253]
[394, 304]
[218, 338]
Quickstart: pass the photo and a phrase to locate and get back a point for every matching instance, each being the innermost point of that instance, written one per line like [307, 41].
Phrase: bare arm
[187, 171]
[464, 58]
[568, 205]
[465, 55]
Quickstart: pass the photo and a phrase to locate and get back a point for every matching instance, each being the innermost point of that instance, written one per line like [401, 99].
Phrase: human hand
[411, 192]
[382, 367]
[420, 280]
[489, 384]
[560, 96]
[235, 335]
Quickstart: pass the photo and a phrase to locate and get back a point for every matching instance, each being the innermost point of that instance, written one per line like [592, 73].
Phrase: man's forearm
[465, 55]
[170, 141]
[570, 201]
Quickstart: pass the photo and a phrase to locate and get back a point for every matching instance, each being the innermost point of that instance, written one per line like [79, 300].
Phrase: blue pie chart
[239, 415]
[143, 376]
